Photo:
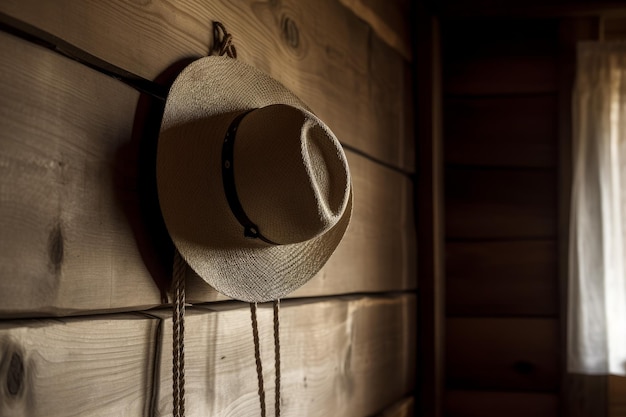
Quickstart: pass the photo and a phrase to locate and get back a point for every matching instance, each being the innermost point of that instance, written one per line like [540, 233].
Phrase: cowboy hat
[255, 190]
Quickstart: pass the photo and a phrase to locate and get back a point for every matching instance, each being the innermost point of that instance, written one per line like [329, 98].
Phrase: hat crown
[290, 173]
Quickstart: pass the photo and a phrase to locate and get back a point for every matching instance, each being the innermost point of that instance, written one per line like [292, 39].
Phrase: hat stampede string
[257, 356]
[178, 335]
[178, 340]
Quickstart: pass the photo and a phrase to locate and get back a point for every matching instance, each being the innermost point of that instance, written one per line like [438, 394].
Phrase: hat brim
[202, 103]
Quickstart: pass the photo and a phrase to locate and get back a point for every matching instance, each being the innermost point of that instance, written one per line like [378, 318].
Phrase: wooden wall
[507, 79]
[500, 130]
[84, 262]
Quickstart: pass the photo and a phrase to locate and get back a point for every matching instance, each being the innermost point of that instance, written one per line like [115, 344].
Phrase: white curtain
[597, 273]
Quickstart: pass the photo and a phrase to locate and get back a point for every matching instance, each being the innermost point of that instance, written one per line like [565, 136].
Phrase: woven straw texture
[291, 177]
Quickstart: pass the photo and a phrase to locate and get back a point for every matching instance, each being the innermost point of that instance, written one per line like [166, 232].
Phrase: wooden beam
[320, 50]
[503, 354]
[339, 357]
[430, 216]
[349, 356]
[498, 57]
[504, 278]
[498, 404]
[527, 8]
[99, 366]
[377, 252]
[500, 203]
[502, 131]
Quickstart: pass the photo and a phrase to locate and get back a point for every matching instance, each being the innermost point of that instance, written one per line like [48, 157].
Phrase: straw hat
[254, 189]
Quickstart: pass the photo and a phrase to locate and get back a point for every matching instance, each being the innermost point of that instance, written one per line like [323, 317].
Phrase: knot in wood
[290, 32]
[15, 374]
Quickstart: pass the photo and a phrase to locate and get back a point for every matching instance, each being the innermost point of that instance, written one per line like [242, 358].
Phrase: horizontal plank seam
[485, 167]
[529, 94]
[44, 39]
[546, 238]
[504, 316]
[506, 94]
[286, 302]
[152, 313]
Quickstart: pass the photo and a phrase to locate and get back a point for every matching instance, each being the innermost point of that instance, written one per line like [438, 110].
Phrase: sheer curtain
[597, 273]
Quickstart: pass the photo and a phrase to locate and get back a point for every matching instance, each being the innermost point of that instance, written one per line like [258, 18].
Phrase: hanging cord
[178, 331]
[277, 356]
[257, 357]
[223, 41]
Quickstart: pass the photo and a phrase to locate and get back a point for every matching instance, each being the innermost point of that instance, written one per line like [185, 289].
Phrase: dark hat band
[250, 229]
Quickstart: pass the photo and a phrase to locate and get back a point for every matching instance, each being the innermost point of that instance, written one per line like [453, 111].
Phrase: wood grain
[77, 367]
[513, 131]
[320, 50]
[498, 404]
[503, 354]
[378, 250]
[340, 357]
[507, 278]
[344, 357]
[74, 235]
[500, 203]
[66, 244]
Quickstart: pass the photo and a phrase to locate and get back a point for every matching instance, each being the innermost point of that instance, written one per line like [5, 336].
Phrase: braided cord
[277, 356]
[257, 356]
[178, 331]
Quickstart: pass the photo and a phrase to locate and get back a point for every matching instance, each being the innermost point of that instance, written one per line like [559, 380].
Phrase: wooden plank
[378, 251]
[514, 131]
[339, 357]
[388, 19]
[617, 396]
[65, 240]
[402, 408]
[430, 216]
[503, 56]
[320, 50]
[500, 203]
[541, 9]
[77, 367]
[498, 404]
[347, 357]
[73, 235]
[507, 278]
[503, 354]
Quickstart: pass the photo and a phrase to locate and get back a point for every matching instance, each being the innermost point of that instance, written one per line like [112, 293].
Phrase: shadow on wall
[134, 180]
